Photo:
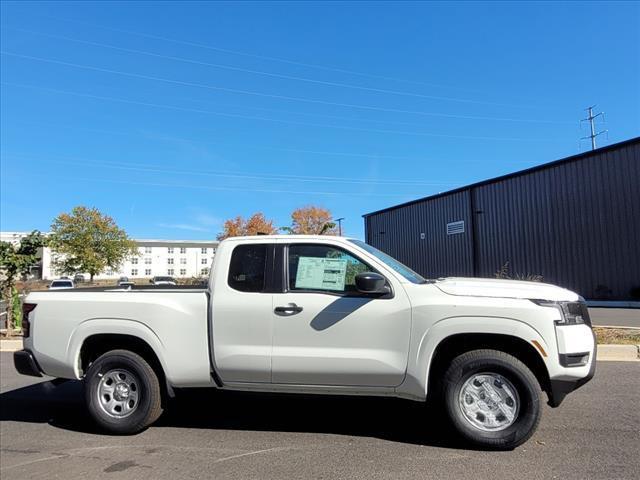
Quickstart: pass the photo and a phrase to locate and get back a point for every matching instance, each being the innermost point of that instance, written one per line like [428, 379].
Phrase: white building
[175, 258]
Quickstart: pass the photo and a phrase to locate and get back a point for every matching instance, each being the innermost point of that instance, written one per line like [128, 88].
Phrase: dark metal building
[575, 222]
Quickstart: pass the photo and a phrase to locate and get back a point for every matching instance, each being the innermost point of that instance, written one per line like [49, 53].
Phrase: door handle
[290, 309]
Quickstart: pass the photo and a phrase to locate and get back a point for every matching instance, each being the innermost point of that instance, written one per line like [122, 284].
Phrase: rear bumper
[26, 364]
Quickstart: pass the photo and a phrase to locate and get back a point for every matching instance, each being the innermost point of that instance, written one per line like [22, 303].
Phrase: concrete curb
[10, 344]
[619, 353]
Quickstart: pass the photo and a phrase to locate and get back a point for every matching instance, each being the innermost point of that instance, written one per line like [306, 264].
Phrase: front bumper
[560, 388]
[26, 364]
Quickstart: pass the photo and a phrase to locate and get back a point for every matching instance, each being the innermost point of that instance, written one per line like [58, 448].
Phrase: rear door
[327, 333]
[242, 313]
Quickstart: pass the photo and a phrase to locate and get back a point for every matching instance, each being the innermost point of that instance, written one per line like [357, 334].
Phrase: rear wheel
[492, 399]
[122, 392]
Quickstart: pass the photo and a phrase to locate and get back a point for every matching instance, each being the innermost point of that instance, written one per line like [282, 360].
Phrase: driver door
[325, 332]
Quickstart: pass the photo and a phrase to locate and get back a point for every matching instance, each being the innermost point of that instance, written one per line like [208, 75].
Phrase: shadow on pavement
[392, 419]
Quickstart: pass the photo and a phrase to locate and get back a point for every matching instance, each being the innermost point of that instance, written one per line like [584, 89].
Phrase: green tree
[85, 240]
[16, 261]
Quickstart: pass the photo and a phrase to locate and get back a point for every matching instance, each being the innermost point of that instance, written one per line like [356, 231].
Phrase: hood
[489, 287]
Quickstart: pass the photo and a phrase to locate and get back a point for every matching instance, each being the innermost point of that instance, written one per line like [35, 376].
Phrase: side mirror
[370, 282]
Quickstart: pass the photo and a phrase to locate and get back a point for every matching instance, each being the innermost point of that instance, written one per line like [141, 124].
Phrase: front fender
[420, 359]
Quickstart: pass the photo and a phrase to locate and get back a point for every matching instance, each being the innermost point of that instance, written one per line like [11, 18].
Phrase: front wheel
[122, 392]
[492, 399]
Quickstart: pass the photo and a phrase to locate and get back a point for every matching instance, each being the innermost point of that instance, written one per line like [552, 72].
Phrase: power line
[253, 55]
[234, 189]
[591, 119]
[252, 117]
[270, 74]
[299, 178]
[262, 94]
[235, 145]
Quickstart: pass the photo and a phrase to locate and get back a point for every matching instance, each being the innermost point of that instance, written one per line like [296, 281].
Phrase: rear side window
[247, 268]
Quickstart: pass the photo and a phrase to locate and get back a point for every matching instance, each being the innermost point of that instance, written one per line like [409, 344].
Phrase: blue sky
[172, 117]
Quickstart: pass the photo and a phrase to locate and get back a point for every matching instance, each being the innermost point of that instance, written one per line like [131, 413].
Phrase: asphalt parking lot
[45, 433]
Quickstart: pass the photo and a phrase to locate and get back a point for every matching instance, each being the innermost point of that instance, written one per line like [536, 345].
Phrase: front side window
[247, 268]
[323, 268]
[391, 262]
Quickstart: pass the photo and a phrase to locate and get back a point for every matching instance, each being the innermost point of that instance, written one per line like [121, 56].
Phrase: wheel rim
[489, 402]
[118, 393]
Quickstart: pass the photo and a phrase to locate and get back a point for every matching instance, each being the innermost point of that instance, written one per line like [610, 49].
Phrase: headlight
[572, 313]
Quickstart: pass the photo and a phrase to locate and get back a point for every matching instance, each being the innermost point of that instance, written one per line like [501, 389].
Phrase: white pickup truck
[318, 314]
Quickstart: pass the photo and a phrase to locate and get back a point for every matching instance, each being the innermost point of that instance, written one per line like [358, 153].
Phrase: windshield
[164, 279]
[391, 262]
[61, 284]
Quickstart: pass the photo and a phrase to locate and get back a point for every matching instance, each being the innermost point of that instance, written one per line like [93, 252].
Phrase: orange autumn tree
[311, 220]
[256, 224]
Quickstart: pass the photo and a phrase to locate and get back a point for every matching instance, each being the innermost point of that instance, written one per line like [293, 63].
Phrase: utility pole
[591, 119]
[339, 220]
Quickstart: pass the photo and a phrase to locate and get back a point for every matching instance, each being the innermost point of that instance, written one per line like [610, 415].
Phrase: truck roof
[262, 238]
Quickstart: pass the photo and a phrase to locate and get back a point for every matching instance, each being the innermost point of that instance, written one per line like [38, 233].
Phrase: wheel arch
[97, 344]
[453, 334]
[456, 344]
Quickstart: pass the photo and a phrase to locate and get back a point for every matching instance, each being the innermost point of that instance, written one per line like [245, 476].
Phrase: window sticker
[316, 273]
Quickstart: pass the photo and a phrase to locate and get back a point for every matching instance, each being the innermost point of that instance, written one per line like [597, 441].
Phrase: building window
[169, 249]
[147, 249]
[134, 261]
[204, 271]
[183, 271]
[169, 261]
[203, 250]
[147, 261]
[147, 271]
[134, 272]
[183, 250]
[170, 271]
[183, 261]
[204, 261]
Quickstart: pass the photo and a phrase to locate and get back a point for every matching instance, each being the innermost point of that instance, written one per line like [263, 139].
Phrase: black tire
[527, 418]
[148, 406]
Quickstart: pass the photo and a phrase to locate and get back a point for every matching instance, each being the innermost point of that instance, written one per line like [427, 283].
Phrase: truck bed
[175, 326]
[137, 288]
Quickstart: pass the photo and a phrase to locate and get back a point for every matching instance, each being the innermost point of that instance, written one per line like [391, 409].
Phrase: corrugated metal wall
[576, 223]
[398, 232]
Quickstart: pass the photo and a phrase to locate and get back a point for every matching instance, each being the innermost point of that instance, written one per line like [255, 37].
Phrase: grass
[617, 336]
